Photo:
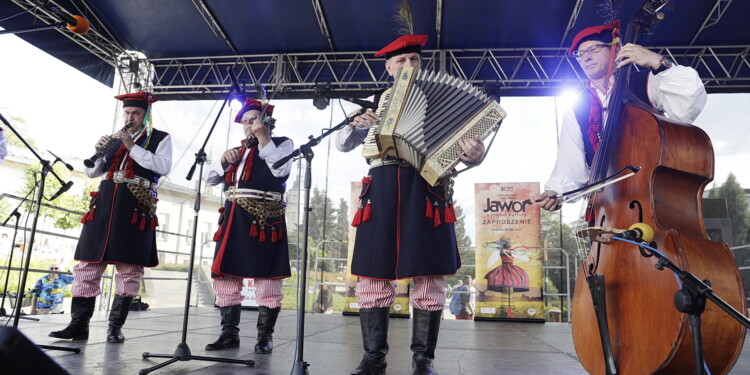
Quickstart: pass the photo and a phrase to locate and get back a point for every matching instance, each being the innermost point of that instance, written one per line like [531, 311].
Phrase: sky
[66, 112]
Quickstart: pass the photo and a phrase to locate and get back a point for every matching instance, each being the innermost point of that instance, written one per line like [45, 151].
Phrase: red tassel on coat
[357, 217]
[450, 214]
[142, 225]
[217, 235]
[428, 208]
[254, 229]
[281, 233]
[436, 223]
[262, 235]
[274, 235]
[154, 222]
[368, 212]
[134, 219]
[91, 214]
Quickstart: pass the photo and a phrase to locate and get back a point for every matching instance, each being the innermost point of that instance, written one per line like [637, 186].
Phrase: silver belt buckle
[118, 177]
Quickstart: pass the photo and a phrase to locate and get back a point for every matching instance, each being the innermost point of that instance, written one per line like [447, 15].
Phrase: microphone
[637, 232]
[361, 102]
[65, 187]
[235, 84]
[57, 158]
[76, 24]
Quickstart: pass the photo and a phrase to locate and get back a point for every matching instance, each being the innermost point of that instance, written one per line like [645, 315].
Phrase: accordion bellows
[423, 116]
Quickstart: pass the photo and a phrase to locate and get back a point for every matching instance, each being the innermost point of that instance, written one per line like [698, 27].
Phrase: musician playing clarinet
[251, 241]
[672, 89]
[405, 230]
[120, 226]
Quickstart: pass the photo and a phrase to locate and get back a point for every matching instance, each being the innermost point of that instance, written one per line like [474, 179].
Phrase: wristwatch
[664, 64]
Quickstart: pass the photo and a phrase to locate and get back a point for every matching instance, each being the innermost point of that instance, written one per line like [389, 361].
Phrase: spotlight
[320, 102]
[236, 102]
[568, 98]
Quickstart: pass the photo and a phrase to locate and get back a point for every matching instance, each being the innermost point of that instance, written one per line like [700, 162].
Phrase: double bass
[623, 319]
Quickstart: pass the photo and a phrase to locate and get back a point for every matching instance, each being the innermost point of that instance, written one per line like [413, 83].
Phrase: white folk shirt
[677, 91]
[348, 138]
[160, 161]
[270, 154]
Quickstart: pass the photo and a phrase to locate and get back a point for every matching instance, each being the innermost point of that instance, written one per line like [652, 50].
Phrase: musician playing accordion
[405, 230]
[251, 241]
[120, 226]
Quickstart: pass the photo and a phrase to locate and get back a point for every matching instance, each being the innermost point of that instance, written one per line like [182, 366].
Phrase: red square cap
[252, 104]
[140, 99]
[603, 33]
[404, 44]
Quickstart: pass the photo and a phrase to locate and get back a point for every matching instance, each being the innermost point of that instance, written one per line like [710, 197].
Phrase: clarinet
[89, 163]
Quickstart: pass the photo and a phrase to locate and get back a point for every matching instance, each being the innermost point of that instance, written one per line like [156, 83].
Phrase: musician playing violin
[251, 241]
[405, 230]
[120, 226]
[672, 89]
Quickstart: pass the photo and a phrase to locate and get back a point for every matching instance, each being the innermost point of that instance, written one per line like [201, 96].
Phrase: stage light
[236, 103]
[568, 98]
[320, 102]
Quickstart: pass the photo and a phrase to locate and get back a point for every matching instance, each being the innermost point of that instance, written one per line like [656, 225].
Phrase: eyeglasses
[53, 268]
[591, 50]
[250, 118]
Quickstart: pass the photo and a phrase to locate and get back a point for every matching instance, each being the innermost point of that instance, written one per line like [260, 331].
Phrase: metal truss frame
[502, 72]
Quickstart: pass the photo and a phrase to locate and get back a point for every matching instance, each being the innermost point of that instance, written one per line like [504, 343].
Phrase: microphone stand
[182, 353]
[46, 168]
[300, 366]
[691, 299]
[17, 215]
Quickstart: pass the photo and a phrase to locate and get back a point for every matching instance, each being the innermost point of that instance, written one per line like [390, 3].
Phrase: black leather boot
[82, 308]
[117, 316]
[374, 324]
[266, 323]
[230, 328]
[424, 336]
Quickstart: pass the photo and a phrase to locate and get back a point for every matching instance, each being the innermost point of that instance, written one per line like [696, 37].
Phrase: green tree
[70, 206]
[736, 208]
[21, 126]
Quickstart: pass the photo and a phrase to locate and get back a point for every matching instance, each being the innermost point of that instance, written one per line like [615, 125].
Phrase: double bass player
[669, 88]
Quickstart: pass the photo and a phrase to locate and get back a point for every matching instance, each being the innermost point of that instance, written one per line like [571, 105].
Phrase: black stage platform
[333, 345]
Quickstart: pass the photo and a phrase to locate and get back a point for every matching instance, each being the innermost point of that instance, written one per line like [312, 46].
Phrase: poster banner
[248, 293]
[509, 261]
[400, 306]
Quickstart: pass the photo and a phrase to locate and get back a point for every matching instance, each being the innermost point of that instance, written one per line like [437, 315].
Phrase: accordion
[422, 118]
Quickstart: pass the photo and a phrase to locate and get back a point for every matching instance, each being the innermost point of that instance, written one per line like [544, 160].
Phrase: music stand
[46, 168]
[182, 353]
[17, 215]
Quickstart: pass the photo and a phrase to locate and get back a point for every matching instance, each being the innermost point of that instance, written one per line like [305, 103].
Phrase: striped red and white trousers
[87, 278]
[229, 292]
[428, 293]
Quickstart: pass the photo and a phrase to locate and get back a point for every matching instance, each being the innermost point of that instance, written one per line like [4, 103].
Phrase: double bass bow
[623, 317]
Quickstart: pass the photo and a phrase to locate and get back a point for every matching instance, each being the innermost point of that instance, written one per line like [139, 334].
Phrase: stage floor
[332, 345]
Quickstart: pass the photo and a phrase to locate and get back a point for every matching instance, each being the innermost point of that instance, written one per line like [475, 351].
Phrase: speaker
[19, 356]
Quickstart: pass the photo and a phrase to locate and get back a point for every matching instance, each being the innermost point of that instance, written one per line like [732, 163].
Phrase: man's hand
[638, 55]
[472, 150]
[125, 138]
[102, 141]
[261, 132]
[548, 200]
[365, 119]
[229, 157]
